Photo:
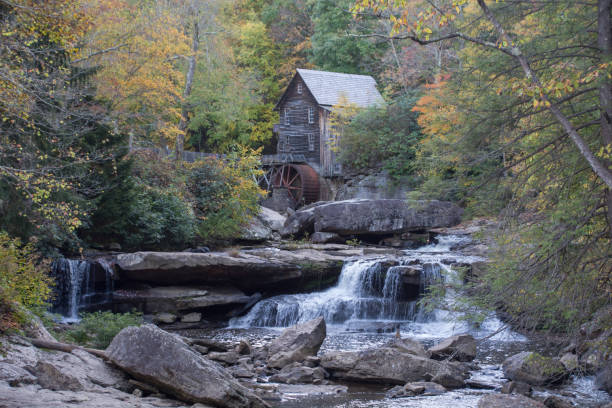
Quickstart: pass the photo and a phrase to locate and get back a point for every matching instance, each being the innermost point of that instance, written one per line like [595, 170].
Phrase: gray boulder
[424, 388]
[408, 345]
[603, 379]
[508, 401]
[390, 365]
[461, 347]
[326, 238]
[165, 361]
[15, 375]
[296, 343]
[534, 369]
[296, 373]
[299, 223]
[264, 226]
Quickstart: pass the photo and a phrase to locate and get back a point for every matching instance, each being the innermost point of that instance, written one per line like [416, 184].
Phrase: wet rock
[296, 343]
[388, 365]
[534, 369]
[299, 223]
[165, 361]
[516, 387]
[461, 347]
[553, 401]
[264, 226]
[296, 373]
[166, 318]
[312, 361]
[193, 317]
[508, 401]
[311, 389]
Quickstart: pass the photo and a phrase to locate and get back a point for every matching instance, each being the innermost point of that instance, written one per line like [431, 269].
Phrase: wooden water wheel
[300, 180]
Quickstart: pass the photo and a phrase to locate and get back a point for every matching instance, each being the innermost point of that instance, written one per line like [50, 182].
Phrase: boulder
[165, 361]
[193, 317]
[296, 343]
[15, 375]
[296, 373]
[264, 226]
[165, 318]
[54, 378]
[508, 401]
[553, 401]
[516, 387]
[265, 269]
[412, 389]
[164, 299]
[570, 361]
[383, 217]
[390, 365]
[461, 347]
[534, 369]
[299, 223]
[408, 345]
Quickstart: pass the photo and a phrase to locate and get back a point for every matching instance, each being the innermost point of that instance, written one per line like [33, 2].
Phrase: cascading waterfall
[80, 284]
[367, 289]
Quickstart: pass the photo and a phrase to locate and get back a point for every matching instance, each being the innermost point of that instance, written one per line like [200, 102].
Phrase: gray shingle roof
[328, 87]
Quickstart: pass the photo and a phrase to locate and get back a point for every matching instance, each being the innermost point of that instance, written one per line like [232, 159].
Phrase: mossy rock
[535, 369]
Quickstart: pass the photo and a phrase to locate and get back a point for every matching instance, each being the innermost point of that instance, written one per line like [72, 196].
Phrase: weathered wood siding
[293, 138]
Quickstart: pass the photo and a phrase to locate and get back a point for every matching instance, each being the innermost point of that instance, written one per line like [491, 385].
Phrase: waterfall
[79, 285]
[366, 290]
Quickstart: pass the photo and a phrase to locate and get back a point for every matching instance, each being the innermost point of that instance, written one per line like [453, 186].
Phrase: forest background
[81, 81]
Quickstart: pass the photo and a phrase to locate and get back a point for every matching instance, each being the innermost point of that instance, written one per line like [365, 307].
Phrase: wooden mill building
[305, 108]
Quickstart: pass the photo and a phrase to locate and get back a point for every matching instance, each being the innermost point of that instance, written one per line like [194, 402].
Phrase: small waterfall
[79, 285]
[366, 290]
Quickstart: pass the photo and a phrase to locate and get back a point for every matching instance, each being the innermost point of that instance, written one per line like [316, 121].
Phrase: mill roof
[328, 88]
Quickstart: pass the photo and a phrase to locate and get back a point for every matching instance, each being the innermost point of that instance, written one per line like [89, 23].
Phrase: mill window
[311, 142]
[299, 87]
[311, 115]
[287, 121]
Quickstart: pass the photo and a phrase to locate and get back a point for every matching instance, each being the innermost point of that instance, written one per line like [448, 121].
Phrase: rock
[416, 388]
[312, 361]
[381, 217]
[461, 347]
[200, 349]
[264, 226]
[165, 361]
[53, 378]
[309, 389]
[408, 345]
[176, 298]
[326, 238]
[296, 343]
[164, 317]
[603, 379]
[265, 269]
[555, 402]
[570, 362]
[198, 250]
[15, 375]
[508, 401]
[229, 357]
[296, 373]
[387, 365]
[516, 387]
[244, 348]
[299, 223]
[193, 317]
[534, 369]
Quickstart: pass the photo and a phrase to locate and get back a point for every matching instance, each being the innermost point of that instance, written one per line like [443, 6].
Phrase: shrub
[98, 329]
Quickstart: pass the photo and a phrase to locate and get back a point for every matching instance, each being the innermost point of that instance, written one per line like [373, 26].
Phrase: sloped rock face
[296, 343]
[388, 365]
[263, 227]
[166, 362]
[373, 217]
[534, 369]
[461, 347]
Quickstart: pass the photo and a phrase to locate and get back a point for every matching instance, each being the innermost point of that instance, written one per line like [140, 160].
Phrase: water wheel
[300, 180]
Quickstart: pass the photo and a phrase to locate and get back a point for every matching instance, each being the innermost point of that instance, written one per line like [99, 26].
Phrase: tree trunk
[604, 41]
[180, 140]
[66, 348]
[596, 165]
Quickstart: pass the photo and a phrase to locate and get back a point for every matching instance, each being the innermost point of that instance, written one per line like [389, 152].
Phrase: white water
[368, 292]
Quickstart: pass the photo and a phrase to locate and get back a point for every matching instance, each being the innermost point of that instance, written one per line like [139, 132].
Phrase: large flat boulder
[534, 369]
[165, 361]
[178, 298]
[296, 343]
[508, 401]
[250, 271]
[373, 217]
[461, 347]
[391, 365]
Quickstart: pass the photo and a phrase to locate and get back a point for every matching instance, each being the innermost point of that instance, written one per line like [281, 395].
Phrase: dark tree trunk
[604, 40]
[180, 140]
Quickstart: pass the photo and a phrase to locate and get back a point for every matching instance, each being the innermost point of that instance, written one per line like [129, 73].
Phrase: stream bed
[366, 308]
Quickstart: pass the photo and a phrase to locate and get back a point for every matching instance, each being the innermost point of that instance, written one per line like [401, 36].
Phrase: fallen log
[66, 347]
